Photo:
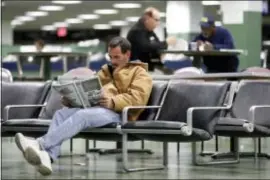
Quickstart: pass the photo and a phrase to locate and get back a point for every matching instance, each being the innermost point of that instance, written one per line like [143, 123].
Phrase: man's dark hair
[122, 42]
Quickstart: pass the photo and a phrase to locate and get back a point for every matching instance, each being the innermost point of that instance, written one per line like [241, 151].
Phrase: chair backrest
[252, 92]
[154, 100]
[185, 94]
[6, 75]
[19, 93]
[53, 103]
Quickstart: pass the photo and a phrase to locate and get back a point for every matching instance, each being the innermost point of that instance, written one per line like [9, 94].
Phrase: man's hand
[106, 102]
[208, 46]
[65, 102]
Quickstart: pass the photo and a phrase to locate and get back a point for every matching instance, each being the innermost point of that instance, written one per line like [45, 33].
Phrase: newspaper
[80, 90]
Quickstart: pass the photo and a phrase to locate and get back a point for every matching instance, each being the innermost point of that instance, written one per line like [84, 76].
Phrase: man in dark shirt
[216, 38]
[144, 42]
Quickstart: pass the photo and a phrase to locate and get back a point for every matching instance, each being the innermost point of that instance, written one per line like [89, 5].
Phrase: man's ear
[128, 53]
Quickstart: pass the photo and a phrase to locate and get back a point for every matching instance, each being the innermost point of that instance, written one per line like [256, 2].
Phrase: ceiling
[12, 8]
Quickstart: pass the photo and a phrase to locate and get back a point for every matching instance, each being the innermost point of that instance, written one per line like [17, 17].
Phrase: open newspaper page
[69, 92]
[81, 86]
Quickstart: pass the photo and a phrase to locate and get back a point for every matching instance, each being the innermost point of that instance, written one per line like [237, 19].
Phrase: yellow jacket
[130, 86]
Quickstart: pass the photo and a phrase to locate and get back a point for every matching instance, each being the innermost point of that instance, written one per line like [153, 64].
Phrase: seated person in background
[216, 38]
[124, 84]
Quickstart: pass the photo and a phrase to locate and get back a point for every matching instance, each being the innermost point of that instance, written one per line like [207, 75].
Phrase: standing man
[144, 42]
[216, 38]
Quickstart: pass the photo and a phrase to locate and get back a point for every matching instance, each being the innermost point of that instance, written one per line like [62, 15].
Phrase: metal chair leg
[125, 162]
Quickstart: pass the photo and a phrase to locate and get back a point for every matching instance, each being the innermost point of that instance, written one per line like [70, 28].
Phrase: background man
[215, 38]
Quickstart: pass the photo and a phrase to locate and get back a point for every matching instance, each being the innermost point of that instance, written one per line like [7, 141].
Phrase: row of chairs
[178, 111]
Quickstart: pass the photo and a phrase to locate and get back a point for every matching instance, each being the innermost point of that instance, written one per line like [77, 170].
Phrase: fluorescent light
[162, 14]
[127, 5]
[16, 23]
[51, 8]
[36, 13]
[101, 26]
[74, 21]
[48, 28]
[210, 3]
[25, 18]
[106, 11]
[88, 16]
[118, 23]
[60, 24]
[133, 18]
[66, 2]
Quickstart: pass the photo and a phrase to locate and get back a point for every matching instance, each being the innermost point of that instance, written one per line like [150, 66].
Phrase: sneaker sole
[18, 137]
[32, 156]
[45, 171]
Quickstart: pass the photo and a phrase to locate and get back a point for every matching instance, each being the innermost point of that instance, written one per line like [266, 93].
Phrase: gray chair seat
[168, 125]
[234, 127]
[197, 134]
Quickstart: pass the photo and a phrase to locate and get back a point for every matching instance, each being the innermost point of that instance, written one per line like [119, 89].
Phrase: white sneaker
[40, 159]
[22, 142]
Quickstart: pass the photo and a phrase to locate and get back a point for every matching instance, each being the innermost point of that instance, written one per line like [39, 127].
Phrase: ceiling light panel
[127, 5]
[133, 18]
[74, 21]
[36, 13]
[210, 3]
[101, 26]
[48, 28]
[67, 2]
[51, 8]
[16, 23]
[118, 23]
[88, 16]
[25, 18]
[105, 11]
[60, 24]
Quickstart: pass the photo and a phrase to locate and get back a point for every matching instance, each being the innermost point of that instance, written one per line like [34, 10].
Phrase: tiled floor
[96, 166]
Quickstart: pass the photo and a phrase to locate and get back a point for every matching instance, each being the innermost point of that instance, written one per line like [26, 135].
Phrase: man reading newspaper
[124, 84]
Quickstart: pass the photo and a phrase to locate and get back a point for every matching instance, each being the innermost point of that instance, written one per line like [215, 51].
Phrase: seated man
[124, 84]
[216, 38]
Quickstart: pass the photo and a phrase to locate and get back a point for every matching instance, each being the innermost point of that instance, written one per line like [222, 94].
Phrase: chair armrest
[252, 111]
[191, 109]
[126, 109]
[8, 107]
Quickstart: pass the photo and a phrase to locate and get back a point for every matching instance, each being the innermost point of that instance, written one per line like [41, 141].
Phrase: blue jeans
[68, 122]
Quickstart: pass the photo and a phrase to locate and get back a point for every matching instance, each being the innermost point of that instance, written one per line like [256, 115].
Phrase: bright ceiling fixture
[51, 8]
[133, 18]
[60, 24]
[16, 23]
[48, 28]
[88, 16]
[66, 2]
[162, 14]
[101, 26]
[36, 13]
[210, 3]
[105, 11]
[74, 21]
[118, 23]
[25, 18]
[127, 5]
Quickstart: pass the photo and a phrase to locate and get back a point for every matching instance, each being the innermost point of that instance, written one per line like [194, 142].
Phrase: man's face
[117, 57]
[152, 22]
[207, 31]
